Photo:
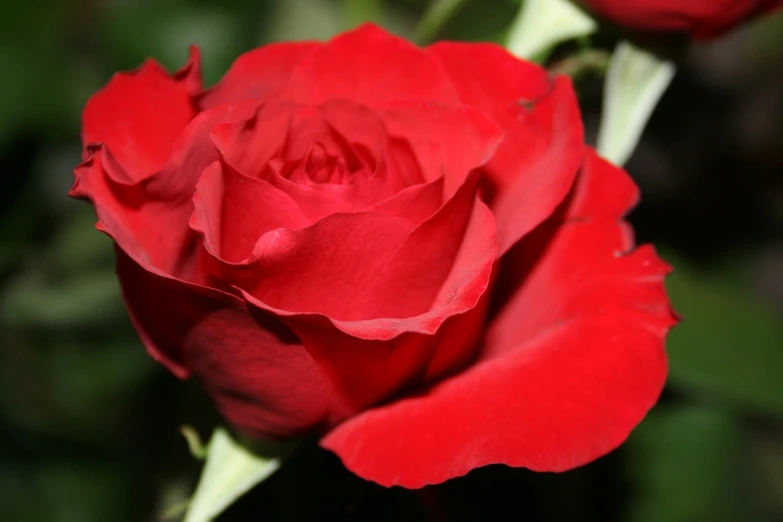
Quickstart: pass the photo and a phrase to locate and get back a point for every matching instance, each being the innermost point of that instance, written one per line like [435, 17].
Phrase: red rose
[410, 251]
[702, 19]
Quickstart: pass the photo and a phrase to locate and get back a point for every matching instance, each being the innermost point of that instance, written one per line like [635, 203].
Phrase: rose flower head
[701, 19]
[408, 251]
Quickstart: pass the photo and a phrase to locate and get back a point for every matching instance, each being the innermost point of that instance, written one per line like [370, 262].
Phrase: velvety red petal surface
[138, 116]
[233, 211]
[248, 145]
[439, 271]
[325, 268]
[449, 141]
[345, 267]
[258, 75]
[573, 362]
[259, 374]
[284, 143]
[703, 19]
[446, 260]
[369, 66]
[365, 371]
[535, 165]
[149, 220]
[416, 203]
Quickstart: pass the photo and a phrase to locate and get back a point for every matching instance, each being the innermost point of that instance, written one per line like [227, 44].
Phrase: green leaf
[542, 24]
[685, 466]
[635, 82]
[728, 345]
[231, 470]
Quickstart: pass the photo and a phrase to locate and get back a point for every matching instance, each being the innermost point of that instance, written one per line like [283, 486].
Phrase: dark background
[89, 424]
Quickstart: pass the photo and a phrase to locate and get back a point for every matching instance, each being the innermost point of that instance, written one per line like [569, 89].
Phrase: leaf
[231, 470]
[635, 82]
[542, 24]
[728, 345]
[685, 465]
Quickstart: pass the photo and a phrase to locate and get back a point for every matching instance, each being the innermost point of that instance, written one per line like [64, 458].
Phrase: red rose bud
[409, 251]
[702, 19]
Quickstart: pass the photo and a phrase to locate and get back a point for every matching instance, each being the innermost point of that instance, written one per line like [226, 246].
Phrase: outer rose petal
[703, 19]
[260, 376]
[556, 388]
[258, 75]
[149, 220]
[576, 264]
[535, 165]
[369, 66]
[139, 115]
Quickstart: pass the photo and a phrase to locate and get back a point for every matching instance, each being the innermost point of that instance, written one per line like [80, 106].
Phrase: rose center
[319, 167]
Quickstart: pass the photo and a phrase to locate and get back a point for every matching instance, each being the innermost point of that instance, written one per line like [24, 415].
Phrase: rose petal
[348, 67]
[261, 378]
[365, 372]
[446, 260]
[232, 211]
[537, 162]
[258, 75]
[440, 272]
[603, 195]
[560, 401]
[448, 140]
[248, 145]
[325, 268]
[703, 19]
[285, 132]
[150, 220]
[416, 204]
[138, 116]
[572, 364]
[193, 151]
[318, 201]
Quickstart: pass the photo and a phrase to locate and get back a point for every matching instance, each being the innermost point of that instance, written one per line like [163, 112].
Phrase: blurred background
[89, 424]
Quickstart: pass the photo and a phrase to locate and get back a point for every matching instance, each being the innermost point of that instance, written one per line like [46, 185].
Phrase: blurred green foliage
[88, 423]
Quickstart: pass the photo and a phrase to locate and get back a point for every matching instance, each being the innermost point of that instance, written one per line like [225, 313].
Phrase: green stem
[436, 16]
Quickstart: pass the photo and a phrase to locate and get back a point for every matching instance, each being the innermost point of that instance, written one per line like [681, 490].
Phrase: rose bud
[701, 19]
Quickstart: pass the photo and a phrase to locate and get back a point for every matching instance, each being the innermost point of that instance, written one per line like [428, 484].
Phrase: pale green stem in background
[436, 16]
[231, 470]
[542, 24]
[635, 82]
